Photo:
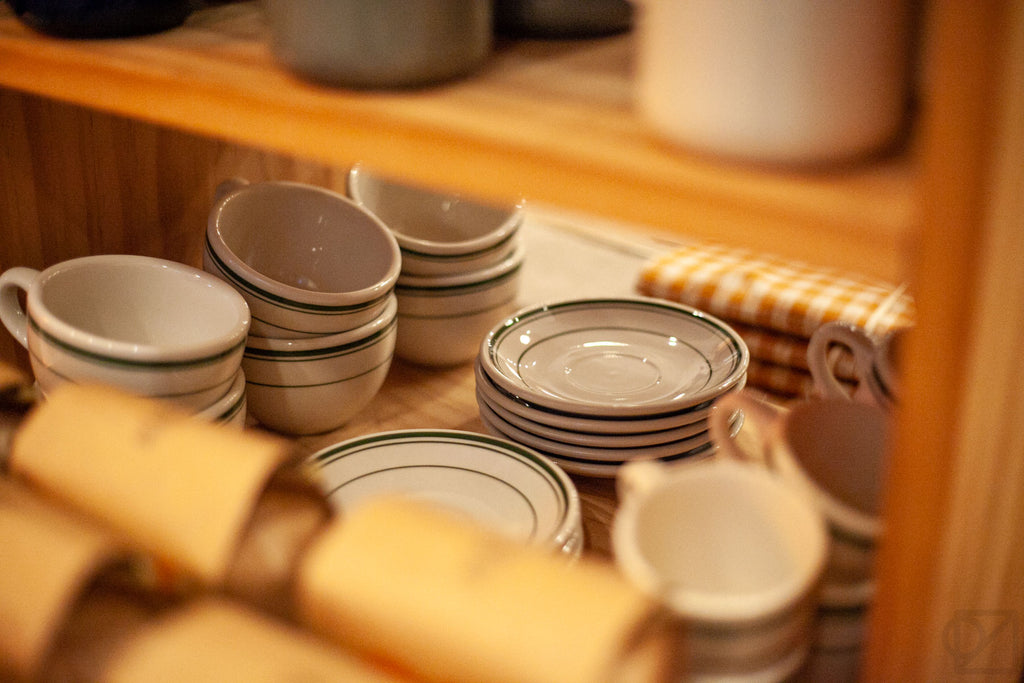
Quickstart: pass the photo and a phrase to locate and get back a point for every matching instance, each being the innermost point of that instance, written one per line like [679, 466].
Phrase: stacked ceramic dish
[596, 383]
[318, 275]
[461, 263]
[508, 487]
[146, 326]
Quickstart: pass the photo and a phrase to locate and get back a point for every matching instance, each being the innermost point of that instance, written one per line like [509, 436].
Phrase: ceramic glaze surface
[500, 484]
[303, 238]
[614, 357]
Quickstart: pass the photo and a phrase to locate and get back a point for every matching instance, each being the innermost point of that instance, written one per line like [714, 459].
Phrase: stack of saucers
[461, 264]
[596, 383]
[503, 485]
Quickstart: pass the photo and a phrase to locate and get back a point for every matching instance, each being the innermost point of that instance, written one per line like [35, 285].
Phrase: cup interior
[304, 239]
[135, 305]
[432, 222]
[317, 346]
[841, 446]
[725, 542]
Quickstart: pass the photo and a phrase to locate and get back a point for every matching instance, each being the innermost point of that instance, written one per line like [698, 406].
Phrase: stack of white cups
[736, 555]
[461, 263]
[147, 326]
[318, 273]
[834, 451]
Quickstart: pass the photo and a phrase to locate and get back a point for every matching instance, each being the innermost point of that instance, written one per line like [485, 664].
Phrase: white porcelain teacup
[734, 552]
[149, 326]
[439, 234]
[835, 450]
[316, 384]
[876, 363]
[307, 260]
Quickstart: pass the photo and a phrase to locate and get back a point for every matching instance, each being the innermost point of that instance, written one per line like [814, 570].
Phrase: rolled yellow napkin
[212, 640]
[15, 386]
[182, 489]
[48, 557]
[446, 600]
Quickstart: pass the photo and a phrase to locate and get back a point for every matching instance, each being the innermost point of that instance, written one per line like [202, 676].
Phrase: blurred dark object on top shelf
[381, 43]
[102, 18]
[562, 18]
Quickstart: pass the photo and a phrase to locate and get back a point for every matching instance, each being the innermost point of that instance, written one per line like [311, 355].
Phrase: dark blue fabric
[102, 18]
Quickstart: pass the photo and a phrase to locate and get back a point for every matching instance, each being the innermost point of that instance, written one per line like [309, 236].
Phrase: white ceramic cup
[788, 81]
[151, 327]
[307, 260]
[734, 552]
[443, 320]
[875, 363]
[836, 451]
[229, 409]
[316, 384]
[440, 234]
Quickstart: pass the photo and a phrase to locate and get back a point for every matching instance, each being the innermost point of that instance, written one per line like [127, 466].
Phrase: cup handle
[11, 311]
[759, 418]
[228, 186]
[849, 336]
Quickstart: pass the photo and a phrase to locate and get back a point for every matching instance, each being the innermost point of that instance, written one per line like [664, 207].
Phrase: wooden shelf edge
[551, 123]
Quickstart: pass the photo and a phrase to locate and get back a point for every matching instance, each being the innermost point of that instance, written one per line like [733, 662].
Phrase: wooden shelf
[549, 121]
[554, 122]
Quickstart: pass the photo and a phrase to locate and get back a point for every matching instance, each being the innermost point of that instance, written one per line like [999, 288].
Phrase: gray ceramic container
[380, 43]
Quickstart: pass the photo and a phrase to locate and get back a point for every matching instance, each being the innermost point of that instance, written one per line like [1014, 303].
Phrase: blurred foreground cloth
[775, 305]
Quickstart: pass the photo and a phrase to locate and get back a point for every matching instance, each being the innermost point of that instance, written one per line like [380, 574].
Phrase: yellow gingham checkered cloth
[775, 305]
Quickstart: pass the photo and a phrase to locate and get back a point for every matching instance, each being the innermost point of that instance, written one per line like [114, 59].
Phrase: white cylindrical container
[787, 81]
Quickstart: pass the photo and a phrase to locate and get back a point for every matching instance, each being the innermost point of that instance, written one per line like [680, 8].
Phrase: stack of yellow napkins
[775, 305]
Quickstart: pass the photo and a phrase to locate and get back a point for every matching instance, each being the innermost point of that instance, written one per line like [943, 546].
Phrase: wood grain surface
[554, 122]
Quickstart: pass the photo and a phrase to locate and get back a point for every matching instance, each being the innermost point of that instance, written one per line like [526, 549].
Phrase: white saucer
[504, 485]
[593, 468]
[583, 438]
[614, 357]
[608, 424]
[590, 453]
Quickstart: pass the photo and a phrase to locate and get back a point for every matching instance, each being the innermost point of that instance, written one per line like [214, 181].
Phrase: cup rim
[317, 344]
[501, 351]
[249, 277]
[471, 278]
[434, 248]
[727, 608]
[53, 330]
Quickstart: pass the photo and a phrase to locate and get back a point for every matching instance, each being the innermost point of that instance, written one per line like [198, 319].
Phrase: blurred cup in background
[795, 82]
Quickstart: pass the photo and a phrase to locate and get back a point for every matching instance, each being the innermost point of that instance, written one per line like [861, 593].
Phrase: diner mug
[146, 325]
[875, 363]
[835, 451]
[734, 552]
